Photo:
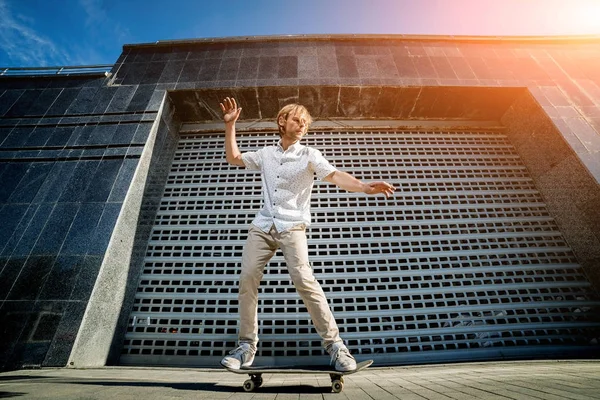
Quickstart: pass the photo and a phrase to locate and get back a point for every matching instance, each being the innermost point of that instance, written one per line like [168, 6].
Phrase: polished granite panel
[154, 72]
[141, 98]
[10, 215]
[436, 103]
[84, 103]
[101, 134]
[86, 278]
[30, 182]
[24, 103]
[135, 72]
[27, 241]
[121, 99]
[82, 229]
[65, 333]
[44, 101]
[56, 181]
[10, 271]
[62, 277]
[39, 136]
[55, 230]
[171, 72]
[79, 181]
[8, 99]
[17, 137]
[64, 100]
[104, 229]
[102, 181]
[123, 134]
[103, 97]
[15, 317]
[12, 174]
[31, 279]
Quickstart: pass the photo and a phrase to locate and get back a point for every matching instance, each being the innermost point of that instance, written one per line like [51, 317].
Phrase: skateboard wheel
[249, 385]
[337, 386]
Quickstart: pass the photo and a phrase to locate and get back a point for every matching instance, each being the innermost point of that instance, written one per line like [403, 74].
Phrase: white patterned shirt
[287, 182]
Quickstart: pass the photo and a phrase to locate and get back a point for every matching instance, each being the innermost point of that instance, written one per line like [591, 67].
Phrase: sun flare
[586, 17]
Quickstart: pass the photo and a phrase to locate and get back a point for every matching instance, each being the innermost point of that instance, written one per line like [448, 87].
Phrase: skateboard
[337, 377]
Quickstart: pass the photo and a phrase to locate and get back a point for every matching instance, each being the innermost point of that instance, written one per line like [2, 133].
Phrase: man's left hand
[379, 187]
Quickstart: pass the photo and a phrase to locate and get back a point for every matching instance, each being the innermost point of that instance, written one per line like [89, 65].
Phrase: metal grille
[465, 256]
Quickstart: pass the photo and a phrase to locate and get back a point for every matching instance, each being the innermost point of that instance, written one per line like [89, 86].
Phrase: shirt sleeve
[320, 165]
[252, 160]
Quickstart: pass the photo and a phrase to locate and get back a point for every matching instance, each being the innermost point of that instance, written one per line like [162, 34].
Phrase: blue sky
[85, 32]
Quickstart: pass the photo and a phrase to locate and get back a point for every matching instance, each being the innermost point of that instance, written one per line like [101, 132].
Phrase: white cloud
[23, 45]
[99, 22]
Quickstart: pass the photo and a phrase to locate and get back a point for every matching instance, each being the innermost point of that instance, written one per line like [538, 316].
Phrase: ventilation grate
[465, 255]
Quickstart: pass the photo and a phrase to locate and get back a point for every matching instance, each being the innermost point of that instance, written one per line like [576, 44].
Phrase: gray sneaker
[241, 357]
[341, 357]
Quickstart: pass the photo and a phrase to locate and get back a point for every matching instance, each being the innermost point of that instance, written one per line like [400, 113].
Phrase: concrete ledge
[370, 37]
[93, 343]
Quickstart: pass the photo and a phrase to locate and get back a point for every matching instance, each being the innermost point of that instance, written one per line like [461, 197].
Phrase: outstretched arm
[231, 113]
[347, 182]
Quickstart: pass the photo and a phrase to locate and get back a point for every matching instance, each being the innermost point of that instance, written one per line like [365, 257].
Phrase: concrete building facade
[122, 225]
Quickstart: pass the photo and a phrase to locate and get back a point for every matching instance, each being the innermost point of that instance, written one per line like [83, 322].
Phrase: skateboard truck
[256, 381]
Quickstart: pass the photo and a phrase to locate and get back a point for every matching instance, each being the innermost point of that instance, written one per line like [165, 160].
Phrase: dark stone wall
[562, 75]
[68, 150]
[69, 145]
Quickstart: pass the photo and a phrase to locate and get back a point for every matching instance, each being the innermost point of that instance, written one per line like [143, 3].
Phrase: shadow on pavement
[201, 386]
[292, 389]
[188, 386]
[8, 378]
[8, 395]
[211, 387]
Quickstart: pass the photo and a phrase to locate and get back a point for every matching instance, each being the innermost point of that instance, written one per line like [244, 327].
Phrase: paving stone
[509, 380]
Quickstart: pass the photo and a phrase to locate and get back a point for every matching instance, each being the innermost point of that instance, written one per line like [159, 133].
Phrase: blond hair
[293, 109]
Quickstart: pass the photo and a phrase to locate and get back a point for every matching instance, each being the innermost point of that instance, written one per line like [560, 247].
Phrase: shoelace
[336, 355]
[240, 350]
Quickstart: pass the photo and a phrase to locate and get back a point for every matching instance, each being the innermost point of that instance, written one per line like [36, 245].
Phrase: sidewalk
[547, 380]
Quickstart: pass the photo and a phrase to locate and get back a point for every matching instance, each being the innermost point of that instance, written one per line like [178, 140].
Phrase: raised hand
[231, 112]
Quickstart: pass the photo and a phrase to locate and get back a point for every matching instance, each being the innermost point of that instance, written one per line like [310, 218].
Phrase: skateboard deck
[337, 377]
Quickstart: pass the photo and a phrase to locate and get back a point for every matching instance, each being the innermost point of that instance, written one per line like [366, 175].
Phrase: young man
[288, 169]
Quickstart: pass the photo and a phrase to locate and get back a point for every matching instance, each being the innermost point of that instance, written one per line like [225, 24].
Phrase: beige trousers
[259, 249]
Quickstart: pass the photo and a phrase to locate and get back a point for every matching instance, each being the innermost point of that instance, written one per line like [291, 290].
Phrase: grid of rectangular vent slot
[464, 256]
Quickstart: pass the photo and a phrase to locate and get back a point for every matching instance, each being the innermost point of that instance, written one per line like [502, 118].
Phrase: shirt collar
[295, 147]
